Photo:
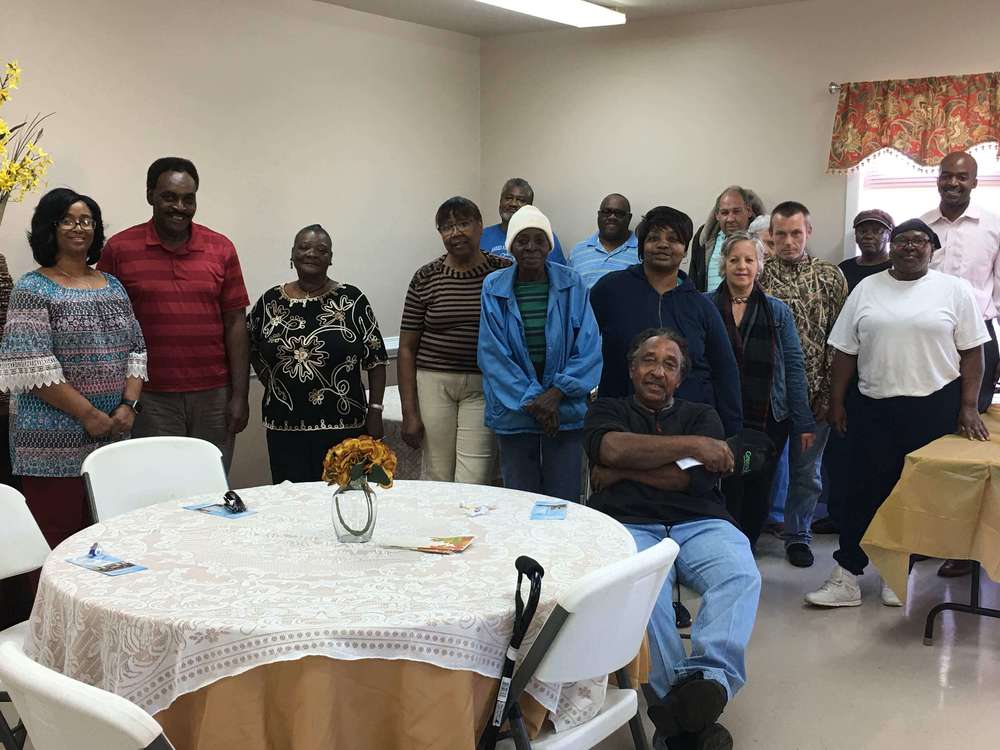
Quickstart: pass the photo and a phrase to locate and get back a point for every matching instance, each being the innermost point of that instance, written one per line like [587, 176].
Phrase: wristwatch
[132, 404]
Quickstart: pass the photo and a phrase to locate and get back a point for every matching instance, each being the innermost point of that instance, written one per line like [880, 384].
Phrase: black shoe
[715, 737]
[692, 706]
[799, 555]
[825, 526]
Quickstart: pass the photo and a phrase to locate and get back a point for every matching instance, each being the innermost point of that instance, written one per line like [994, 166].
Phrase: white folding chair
[595, 629]
[62, 713]
[22, 549]
[121, 477]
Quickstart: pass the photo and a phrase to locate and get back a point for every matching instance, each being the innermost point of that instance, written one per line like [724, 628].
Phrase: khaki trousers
[197, 414]
[458, 447]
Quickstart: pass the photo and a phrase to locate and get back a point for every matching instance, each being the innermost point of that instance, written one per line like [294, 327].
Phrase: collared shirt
[815, 291]
[970, 249]
[589, 258]
[712, 276]
[179, 297]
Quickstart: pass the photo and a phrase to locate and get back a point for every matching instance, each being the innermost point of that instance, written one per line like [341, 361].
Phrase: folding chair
[595, 629]
[136, 473]
[62, 713]
[22, 549]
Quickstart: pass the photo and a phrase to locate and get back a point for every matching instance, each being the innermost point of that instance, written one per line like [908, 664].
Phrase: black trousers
[883, 431]
[991, 356]
[837, 462]
[297, 456]
[748, 496]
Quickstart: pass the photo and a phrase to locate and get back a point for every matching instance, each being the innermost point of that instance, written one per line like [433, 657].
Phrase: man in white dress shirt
[970, 249]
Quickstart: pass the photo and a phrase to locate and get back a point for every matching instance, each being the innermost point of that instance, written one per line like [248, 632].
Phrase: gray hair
[759, 224]
[730, 242]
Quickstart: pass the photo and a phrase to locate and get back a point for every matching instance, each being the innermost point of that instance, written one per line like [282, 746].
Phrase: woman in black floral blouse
[309, 341]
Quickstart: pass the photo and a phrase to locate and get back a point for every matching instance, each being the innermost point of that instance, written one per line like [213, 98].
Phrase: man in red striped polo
[187, 290]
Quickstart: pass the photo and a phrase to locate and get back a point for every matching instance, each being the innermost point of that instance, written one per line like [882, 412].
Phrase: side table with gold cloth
[946, 504]
[263, 632]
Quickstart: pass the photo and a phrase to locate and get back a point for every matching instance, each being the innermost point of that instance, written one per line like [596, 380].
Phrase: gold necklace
[83, 277]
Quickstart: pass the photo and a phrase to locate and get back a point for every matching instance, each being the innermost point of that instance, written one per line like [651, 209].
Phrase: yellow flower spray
[23, 163]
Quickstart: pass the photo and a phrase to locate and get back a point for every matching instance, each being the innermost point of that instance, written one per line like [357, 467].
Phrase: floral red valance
[922, 118]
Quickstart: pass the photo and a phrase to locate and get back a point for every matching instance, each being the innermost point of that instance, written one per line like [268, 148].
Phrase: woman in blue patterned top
[310, 339]
[74, 359]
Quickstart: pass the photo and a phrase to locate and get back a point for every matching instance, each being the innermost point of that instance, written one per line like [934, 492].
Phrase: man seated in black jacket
[656, 464]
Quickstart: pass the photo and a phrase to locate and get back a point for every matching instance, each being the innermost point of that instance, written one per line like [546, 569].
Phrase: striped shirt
[533, 303]
[179, 297]
[443, 305]
[592, 261]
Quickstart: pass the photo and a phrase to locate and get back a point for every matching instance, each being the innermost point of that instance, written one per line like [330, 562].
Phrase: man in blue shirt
[613, 247]
[516, 192]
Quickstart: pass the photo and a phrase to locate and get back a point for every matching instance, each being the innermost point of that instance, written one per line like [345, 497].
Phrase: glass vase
[354, 511]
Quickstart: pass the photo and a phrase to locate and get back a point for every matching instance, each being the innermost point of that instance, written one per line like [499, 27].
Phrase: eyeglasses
[461, 226]
[904, 243]
[618, 213]
[69, 223]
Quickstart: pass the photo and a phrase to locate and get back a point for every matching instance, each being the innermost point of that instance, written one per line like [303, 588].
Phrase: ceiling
[470, 17]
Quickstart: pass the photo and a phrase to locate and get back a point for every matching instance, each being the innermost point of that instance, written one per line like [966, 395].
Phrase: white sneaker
[840, 590]
[889, 597]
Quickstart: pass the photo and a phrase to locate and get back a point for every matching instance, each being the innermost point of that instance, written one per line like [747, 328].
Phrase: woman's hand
[837, 417]
[806, 441]
[970, 424]
[545, 410]
[97, 424]
[122, 419]
[413, 430]
[373, 424]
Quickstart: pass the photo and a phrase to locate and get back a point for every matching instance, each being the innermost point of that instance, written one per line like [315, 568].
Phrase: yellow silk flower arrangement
[23, 163]
[360, 459]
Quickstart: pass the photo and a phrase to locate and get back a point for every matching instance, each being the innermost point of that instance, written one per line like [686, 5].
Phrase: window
[896, 184]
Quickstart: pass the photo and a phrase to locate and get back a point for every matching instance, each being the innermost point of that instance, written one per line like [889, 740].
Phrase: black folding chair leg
[12, 738]
[518, 731]
[639, 738]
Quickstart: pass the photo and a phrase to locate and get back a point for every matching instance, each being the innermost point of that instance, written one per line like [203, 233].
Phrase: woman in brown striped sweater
[440, 385]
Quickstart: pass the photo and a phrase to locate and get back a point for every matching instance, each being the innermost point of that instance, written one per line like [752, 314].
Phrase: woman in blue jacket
[775, 398]
[656, 294]
[540, 355]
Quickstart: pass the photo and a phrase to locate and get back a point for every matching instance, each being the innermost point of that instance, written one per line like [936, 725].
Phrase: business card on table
[436, 545]
[218, 509]
[106, 564]
[549, 510]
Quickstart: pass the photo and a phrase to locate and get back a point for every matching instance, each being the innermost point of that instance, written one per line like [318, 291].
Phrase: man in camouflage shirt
[815, 291]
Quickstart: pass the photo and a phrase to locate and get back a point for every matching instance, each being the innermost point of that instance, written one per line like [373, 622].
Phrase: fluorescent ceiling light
[577, 13]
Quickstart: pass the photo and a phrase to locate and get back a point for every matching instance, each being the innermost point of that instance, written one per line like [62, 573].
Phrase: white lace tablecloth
[223, 596]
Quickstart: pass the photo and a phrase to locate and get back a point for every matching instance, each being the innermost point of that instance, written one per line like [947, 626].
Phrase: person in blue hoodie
[540, 355]
[655, 293]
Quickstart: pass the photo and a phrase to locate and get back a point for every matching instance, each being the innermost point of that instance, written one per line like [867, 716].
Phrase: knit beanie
[528, 217]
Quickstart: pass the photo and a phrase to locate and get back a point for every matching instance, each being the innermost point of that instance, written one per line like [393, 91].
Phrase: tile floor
[860, 678]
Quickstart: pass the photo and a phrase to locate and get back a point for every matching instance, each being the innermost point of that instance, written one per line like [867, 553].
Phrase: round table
[223, 598]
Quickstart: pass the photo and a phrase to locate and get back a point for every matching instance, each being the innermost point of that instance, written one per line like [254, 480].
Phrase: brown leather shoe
[955, 568]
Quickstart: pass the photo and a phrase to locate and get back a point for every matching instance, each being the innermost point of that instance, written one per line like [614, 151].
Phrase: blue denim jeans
[779, 490]
[805, 485]
[534, 462]
[716, 562]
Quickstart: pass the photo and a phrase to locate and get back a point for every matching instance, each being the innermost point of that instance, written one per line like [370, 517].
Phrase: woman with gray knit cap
[540, 355]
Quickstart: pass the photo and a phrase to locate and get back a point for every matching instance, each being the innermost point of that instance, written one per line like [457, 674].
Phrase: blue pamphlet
[549, 510]
[218, 509]
[106, 564]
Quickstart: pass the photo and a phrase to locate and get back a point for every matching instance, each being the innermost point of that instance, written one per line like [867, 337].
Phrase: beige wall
[294, 111]
[673, 110]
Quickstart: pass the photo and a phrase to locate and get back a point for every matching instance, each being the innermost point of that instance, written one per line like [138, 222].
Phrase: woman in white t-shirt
[914, 337]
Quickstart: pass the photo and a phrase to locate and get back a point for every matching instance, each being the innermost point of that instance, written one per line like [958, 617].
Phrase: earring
[291, 264]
